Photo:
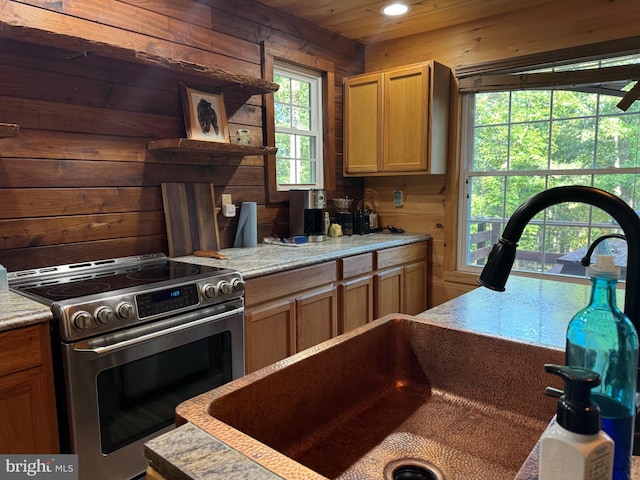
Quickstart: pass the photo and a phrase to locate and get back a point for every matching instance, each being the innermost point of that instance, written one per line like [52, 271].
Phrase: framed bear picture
[205, 117]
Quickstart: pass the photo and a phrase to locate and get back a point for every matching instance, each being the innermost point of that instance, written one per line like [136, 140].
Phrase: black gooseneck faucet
[500, 260]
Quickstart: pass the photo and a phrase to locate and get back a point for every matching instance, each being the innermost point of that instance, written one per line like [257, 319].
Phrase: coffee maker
[306, 208]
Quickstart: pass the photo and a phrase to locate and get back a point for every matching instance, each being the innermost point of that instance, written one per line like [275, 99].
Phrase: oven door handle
[161, 332]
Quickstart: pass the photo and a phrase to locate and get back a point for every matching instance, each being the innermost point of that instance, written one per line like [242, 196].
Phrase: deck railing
[487, 235]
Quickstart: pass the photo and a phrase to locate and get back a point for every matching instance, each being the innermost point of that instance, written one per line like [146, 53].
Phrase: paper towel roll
[247, 232]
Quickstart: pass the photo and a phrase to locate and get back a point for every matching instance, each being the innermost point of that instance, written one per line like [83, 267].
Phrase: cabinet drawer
[278, 285]
[400, 255]
[356, 265]
[20, 349]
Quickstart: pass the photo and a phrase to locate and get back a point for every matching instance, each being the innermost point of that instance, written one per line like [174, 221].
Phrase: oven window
[138, 398]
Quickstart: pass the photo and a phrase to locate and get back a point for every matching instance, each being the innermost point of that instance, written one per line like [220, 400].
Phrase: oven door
[122, 388]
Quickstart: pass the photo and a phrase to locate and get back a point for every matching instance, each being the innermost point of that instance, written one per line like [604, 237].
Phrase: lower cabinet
[356, 303]
[27, 400]
[355, 291]
[316, 317]
[290, 311]
[269, 334]
[400, 281]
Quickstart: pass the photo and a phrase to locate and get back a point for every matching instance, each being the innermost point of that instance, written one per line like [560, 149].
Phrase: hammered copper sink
[396, 391]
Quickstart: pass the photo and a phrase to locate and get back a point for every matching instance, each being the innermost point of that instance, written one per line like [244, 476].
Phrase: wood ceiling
[362, 20]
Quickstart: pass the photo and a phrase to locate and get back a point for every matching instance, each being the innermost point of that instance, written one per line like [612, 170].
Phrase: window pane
[283, 170]
[283, 94]
[521, 188]
[573, 143]
[282, 115]
[529, 105]
[622, 185]
[567, 104]
[529, 253]
[529, 146]
[618, 141]
[307, 171]
[492, 108]
[284, 142]
[490, 149]
[306, 147]
[301, 118]
[301, 93]
[487, 198]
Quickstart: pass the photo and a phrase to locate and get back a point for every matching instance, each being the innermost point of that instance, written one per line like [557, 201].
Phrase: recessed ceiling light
[395, 9]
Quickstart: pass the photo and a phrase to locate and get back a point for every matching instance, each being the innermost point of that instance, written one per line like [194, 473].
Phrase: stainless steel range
[132, 338]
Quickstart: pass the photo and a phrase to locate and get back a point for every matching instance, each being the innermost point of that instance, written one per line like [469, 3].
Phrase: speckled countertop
[265, 258]
[17, 311]
[530, 311]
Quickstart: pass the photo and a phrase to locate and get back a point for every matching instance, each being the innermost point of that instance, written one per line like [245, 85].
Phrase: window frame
[274, 53]
[316, 120]
[466, 146]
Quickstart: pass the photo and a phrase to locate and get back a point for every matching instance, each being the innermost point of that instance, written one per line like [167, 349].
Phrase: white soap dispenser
[575, 447]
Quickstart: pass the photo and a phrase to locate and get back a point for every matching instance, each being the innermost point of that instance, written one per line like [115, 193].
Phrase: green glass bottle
[601, 338]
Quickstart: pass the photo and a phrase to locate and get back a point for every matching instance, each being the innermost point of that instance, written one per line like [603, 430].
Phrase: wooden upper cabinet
[363, 103]
[406, 104]
[397, 121]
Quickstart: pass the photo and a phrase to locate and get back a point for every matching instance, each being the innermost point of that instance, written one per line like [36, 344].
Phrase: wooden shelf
[60, 36]
[211, 148]
[8, 130]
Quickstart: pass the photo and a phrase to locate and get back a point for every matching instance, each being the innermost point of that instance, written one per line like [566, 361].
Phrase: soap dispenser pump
[574, 447]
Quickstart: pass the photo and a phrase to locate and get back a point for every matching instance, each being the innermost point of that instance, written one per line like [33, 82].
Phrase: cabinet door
[316, 317]
[26, 409]
[388, 292]
[406, 107]
[269, 334]
[27, 399]
[415, 288]
[363, 124]
[356, 303]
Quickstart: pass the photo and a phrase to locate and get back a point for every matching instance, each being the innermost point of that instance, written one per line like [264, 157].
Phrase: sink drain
[412, 469]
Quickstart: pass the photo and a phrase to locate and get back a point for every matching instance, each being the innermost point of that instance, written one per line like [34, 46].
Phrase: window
[298, 128]
[520, 142]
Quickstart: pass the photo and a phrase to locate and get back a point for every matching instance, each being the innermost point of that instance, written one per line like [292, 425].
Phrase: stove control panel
[102, 314]
[162, 301]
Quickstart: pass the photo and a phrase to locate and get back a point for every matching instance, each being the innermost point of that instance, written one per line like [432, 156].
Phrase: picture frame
[205, 116]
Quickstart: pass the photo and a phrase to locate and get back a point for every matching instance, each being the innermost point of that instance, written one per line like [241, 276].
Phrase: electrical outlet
[226, 199]
[398, 198]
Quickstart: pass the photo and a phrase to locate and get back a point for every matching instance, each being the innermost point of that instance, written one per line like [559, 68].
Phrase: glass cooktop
[80, 284]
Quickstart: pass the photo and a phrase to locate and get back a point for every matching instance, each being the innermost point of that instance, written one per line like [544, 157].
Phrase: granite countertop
[531, 311]
[17, 311]
[266, 258]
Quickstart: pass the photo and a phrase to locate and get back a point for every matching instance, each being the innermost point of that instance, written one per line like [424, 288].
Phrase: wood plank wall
[431, 202]
[77, 183]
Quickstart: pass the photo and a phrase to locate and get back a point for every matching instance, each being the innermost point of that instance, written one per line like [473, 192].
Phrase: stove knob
[124, 310]
[104, 315]
[238, 285]
[81, 319]
[209, 290]
[225, 288]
